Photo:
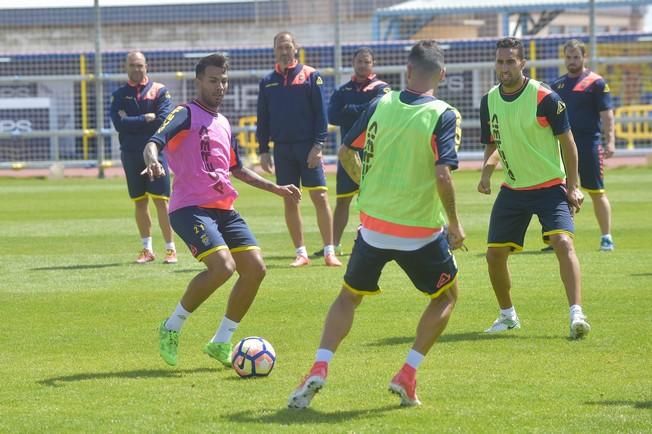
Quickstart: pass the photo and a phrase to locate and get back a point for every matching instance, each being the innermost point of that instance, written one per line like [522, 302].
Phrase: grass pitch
[79, 327]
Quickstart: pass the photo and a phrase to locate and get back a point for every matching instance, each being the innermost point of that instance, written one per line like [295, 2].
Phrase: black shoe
[319, 253]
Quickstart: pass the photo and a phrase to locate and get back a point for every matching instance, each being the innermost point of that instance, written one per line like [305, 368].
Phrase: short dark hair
[512, 43]
[364, 50]
[575, 43]
[279, 35]
[427, 56]
[218, 59]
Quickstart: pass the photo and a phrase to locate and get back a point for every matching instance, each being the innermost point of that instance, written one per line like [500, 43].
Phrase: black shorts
[140, 186]
[431, 268]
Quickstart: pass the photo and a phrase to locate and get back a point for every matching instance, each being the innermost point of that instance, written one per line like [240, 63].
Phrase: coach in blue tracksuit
[292, 114]
[138, 109]
[346, 105]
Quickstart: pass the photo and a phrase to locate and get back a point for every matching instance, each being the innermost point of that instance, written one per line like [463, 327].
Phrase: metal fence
[54, 90]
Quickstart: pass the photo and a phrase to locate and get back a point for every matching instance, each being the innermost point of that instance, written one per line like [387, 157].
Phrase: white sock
[170, 246]
[178, 317]
[147, 243]
[607, 237]
[302, 251]
[329, 250]
[414, 359]
[509, 312]
[225, 331]
[576, 309]
[324, 355]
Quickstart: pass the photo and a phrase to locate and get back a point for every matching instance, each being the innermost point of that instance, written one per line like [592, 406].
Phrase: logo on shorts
[198, 228]
[205, 240]
[444, 278]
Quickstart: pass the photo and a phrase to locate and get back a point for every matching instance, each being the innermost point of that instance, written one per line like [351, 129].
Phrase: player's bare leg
[501, 283]
[433, 322]
[220, 265]
[569, 270]
[338, 324]
[340, 217]
[251, 272]
[319, 198]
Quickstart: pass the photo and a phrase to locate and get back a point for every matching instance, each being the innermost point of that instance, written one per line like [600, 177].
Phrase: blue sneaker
[606, 244]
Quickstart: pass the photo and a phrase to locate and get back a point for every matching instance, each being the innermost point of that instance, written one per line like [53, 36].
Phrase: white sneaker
[579, 327]
[504, 323]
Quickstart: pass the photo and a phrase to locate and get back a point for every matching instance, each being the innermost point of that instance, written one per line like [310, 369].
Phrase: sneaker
[319, 253]
[220, 351]
[168, 344]
[405, 385]
[503, 323]
[170, 256]
[606, 245]
[145, 256]
[579, 327]
[332, 261]
[311, 384]
[300, 261]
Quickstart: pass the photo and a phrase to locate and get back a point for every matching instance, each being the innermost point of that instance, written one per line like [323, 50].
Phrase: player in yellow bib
[527, 123]
[407, 213]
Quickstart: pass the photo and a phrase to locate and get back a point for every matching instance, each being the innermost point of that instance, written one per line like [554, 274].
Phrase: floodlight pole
[593, 46]
[99, 92]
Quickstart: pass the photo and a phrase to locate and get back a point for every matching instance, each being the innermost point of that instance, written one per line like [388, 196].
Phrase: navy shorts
[346, 187]
[431, 268]
[139, 185]
[292, 167]
[590, 165]
[207, 230]
[513, 210]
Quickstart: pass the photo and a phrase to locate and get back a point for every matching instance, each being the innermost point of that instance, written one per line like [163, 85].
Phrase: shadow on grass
[641, 274]
[455, 337]
[137, 374]
[79, 267]
[291, 416]
[623, 403]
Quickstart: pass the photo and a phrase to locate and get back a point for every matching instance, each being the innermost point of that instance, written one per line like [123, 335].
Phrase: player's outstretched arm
[446, 191]
[153, 167]
[351, 162]
[250, 177]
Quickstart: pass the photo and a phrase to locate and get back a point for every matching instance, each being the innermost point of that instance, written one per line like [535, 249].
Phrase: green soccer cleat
[220, 351]
[168, 344]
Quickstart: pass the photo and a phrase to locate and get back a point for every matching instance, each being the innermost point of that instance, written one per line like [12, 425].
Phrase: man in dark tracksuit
[292, 114]
[138, 109]
[346, 105]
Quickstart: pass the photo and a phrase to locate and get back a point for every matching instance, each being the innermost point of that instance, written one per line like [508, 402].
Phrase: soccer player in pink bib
[198, 143]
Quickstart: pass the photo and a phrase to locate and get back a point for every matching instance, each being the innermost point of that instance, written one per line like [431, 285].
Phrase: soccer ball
[253, 357]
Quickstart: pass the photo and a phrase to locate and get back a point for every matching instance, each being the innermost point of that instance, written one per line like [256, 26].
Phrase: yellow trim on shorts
[319, 187]
[244, 249]
[443, 288]
[358, 292]
[209, 251]
[515, 247]
[600, 190]
[556, 232]
[338, 196]
[136, 199]
[157, 196]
